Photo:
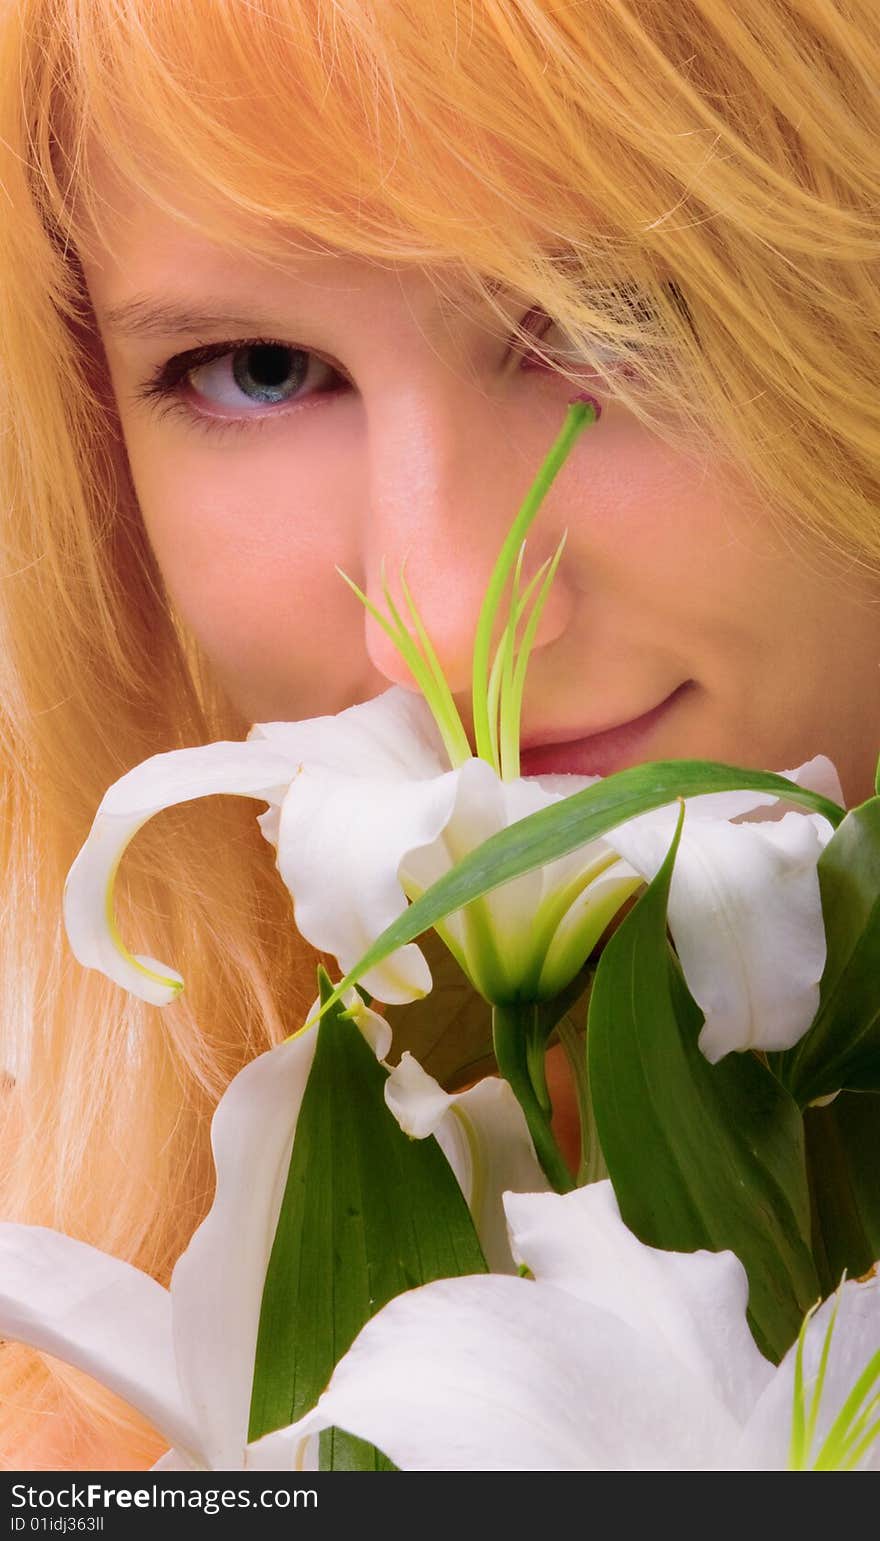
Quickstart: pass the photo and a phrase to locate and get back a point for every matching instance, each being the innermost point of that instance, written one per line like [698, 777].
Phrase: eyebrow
[144, 316]
[149, 316]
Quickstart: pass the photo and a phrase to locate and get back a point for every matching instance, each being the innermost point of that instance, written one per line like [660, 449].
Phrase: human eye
[238, 384]
[557, 350]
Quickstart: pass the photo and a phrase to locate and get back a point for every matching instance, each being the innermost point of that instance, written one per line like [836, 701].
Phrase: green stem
[591, 1167]
[513, 1032]
[536, 1054]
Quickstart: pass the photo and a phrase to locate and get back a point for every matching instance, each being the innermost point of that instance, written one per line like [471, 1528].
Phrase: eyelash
[163, 390]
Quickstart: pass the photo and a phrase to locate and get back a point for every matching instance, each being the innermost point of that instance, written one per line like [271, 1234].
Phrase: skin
[413, 436]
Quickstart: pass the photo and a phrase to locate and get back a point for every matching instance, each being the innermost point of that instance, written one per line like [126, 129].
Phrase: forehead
[154, 263]
[172, 231]
[161, 265]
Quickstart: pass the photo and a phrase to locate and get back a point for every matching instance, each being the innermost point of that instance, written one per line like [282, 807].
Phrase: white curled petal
[417, 1101]
[99, 1314]
[693, 1302]
[341, 843]
[90, 922]
[855, 1340]
[746, 918]
[248, 769]
[375, 1029]
[217, 1284]
[492, 1374]
[745, 914]
[391, 737]
[483, 1135]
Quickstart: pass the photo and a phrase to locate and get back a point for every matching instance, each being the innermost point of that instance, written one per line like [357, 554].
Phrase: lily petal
[819, 775]
[417, 1101]
[99, 1314]
[392, 736]
[746, 917]
[484, 1137]
[694, 1302]
[251, 770]
[346, 835]
[217, 1284]
[615, 1357]
[492, 1374]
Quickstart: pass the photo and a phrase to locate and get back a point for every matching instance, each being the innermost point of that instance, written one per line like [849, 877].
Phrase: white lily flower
[358, 837]
[745, 910]
[614, 1357]
[184, 1356]
[366, 813]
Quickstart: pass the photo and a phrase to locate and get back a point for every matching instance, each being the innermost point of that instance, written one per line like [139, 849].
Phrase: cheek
[649, 503]
[247, 539]
[665, 533]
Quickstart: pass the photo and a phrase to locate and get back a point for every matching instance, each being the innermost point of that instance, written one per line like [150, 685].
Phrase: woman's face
[385, 425]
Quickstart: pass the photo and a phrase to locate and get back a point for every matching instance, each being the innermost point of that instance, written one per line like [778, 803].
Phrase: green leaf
[842, 1047]
[554, 831]
[700, 1155]
[843, 1162]
[367, 1213]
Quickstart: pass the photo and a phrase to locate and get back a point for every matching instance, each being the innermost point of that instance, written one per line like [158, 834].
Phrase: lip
[597, 754]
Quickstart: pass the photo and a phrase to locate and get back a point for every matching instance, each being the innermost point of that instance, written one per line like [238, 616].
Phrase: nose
[447, 476]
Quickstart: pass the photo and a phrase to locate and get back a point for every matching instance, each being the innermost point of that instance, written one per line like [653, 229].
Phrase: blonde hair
[689, 181]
